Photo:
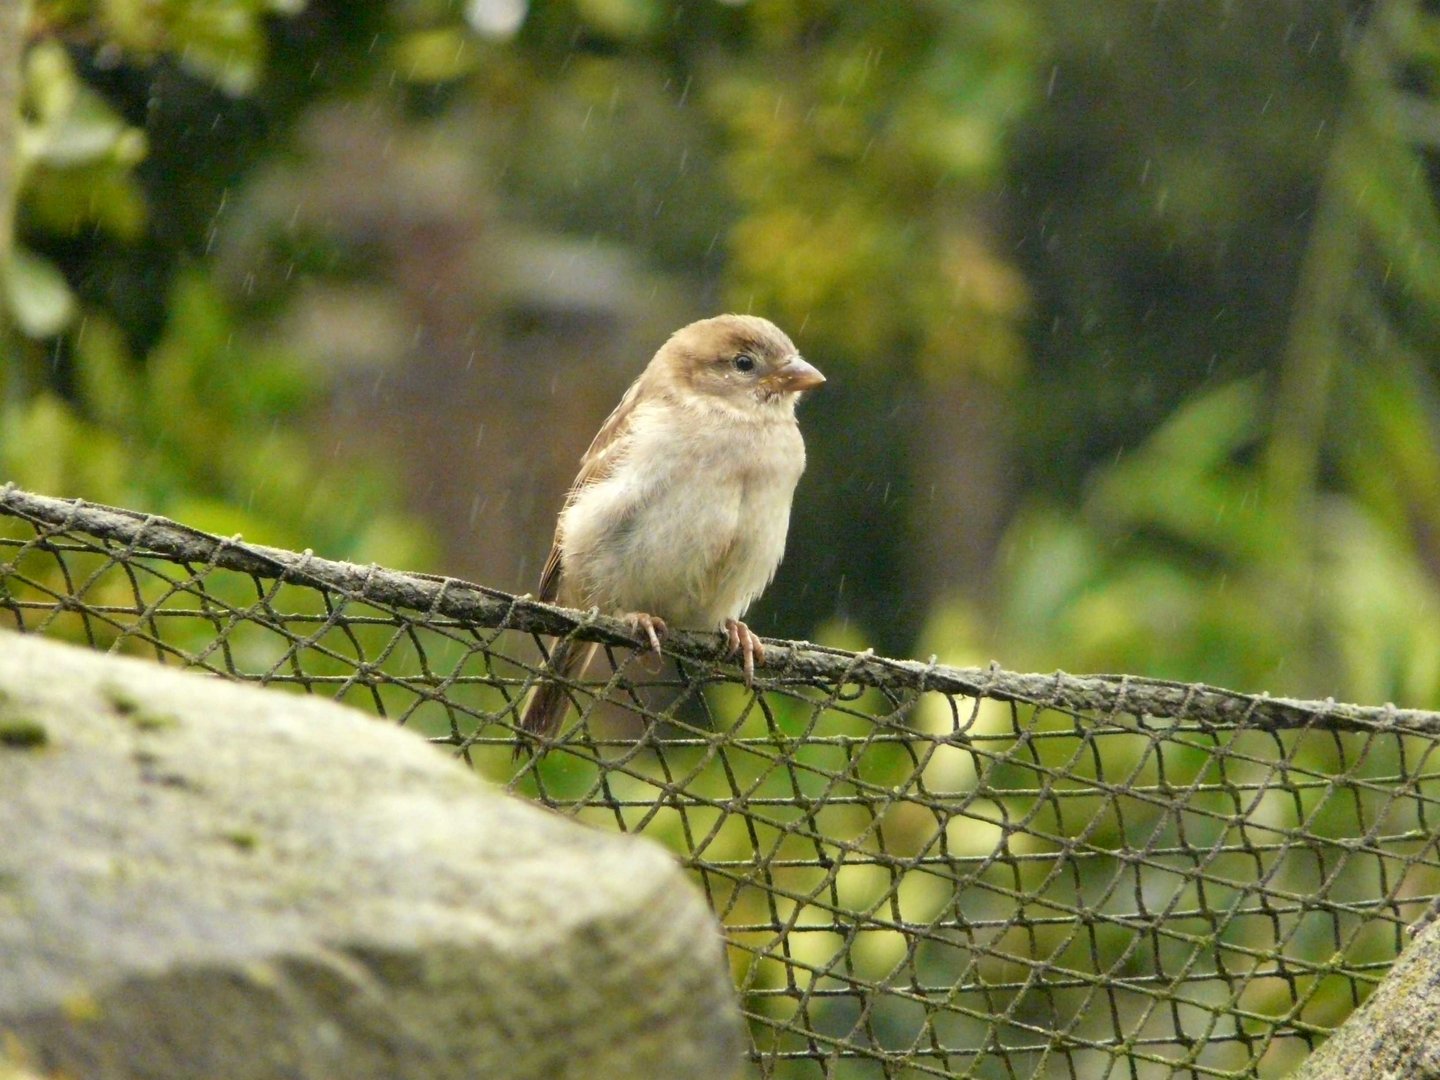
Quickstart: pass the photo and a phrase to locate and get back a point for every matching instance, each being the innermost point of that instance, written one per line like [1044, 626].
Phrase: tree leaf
[37, 295]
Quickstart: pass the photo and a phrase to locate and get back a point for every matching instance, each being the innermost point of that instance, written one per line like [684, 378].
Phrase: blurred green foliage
[1243, 539]
[1072, 206]
[1185, 257]
[183, 414]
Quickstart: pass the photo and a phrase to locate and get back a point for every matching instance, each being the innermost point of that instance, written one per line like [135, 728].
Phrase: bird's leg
[747, 643]
[652, 627]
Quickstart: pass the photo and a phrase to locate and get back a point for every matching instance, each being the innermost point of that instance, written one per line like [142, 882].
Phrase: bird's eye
[744, 362]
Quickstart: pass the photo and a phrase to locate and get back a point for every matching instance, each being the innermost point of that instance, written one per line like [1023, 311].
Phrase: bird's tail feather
[546, 706]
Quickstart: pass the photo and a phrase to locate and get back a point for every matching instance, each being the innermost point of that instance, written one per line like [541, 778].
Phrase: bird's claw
[747, 643]
[651, 627]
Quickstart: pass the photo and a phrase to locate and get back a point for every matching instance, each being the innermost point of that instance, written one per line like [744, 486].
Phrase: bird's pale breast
[691, 524]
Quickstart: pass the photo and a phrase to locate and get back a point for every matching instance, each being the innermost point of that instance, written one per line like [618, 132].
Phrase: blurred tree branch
[1375, 219]
[1315, 343]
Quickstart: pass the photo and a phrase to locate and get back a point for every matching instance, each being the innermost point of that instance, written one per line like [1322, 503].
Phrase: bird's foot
[652, 628]
[747, 643]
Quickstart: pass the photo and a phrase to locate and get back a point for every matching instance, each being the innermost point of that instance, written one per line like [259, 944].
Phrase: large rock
[1395, 1035]
[199, 878]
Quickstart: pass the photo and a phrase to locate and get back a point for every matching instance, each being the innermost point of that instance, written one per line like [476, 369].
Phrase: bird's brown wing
[550, 576]
[598, 462]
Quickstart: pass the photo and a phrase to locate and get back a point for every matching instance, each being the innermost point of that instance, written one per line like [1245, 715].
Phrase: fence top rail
[1103, 695]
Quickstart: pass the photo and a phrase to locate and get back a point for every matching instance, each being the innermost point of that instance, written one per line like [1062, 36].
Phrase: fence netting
[922, 870]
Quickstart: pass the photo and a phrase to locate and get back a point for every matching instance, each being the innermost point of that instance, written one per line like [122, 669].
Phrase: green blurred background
[1129, 308]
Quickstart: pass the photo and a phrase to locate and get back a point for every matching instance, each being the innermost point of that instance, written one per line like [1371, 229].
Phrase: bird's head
[738, 358]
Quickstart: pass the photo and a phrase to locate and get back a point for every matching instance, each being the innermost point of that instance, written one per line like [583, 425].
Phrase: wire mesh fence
[922, 870]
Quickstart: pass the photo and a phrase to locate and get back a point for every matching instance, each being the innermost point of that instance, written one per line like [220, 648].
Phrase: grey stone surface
[1395, 1035]
[199, 878]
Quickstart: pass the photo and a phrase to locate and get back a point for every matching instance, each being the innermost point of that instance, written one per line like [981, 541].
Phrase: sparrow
[681, 507]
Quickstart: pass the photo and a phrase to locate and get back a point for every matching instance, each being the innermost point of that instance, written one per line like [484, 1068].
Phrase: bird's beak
[796, 375]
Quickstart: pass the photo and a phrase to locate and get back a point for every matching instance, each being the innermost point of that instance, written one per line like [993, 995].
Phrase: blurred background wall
[1128, 307]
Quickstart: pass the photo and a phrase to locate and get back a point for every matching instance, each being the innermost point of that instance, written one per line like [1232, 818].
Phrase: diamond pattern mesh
[923, 871]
